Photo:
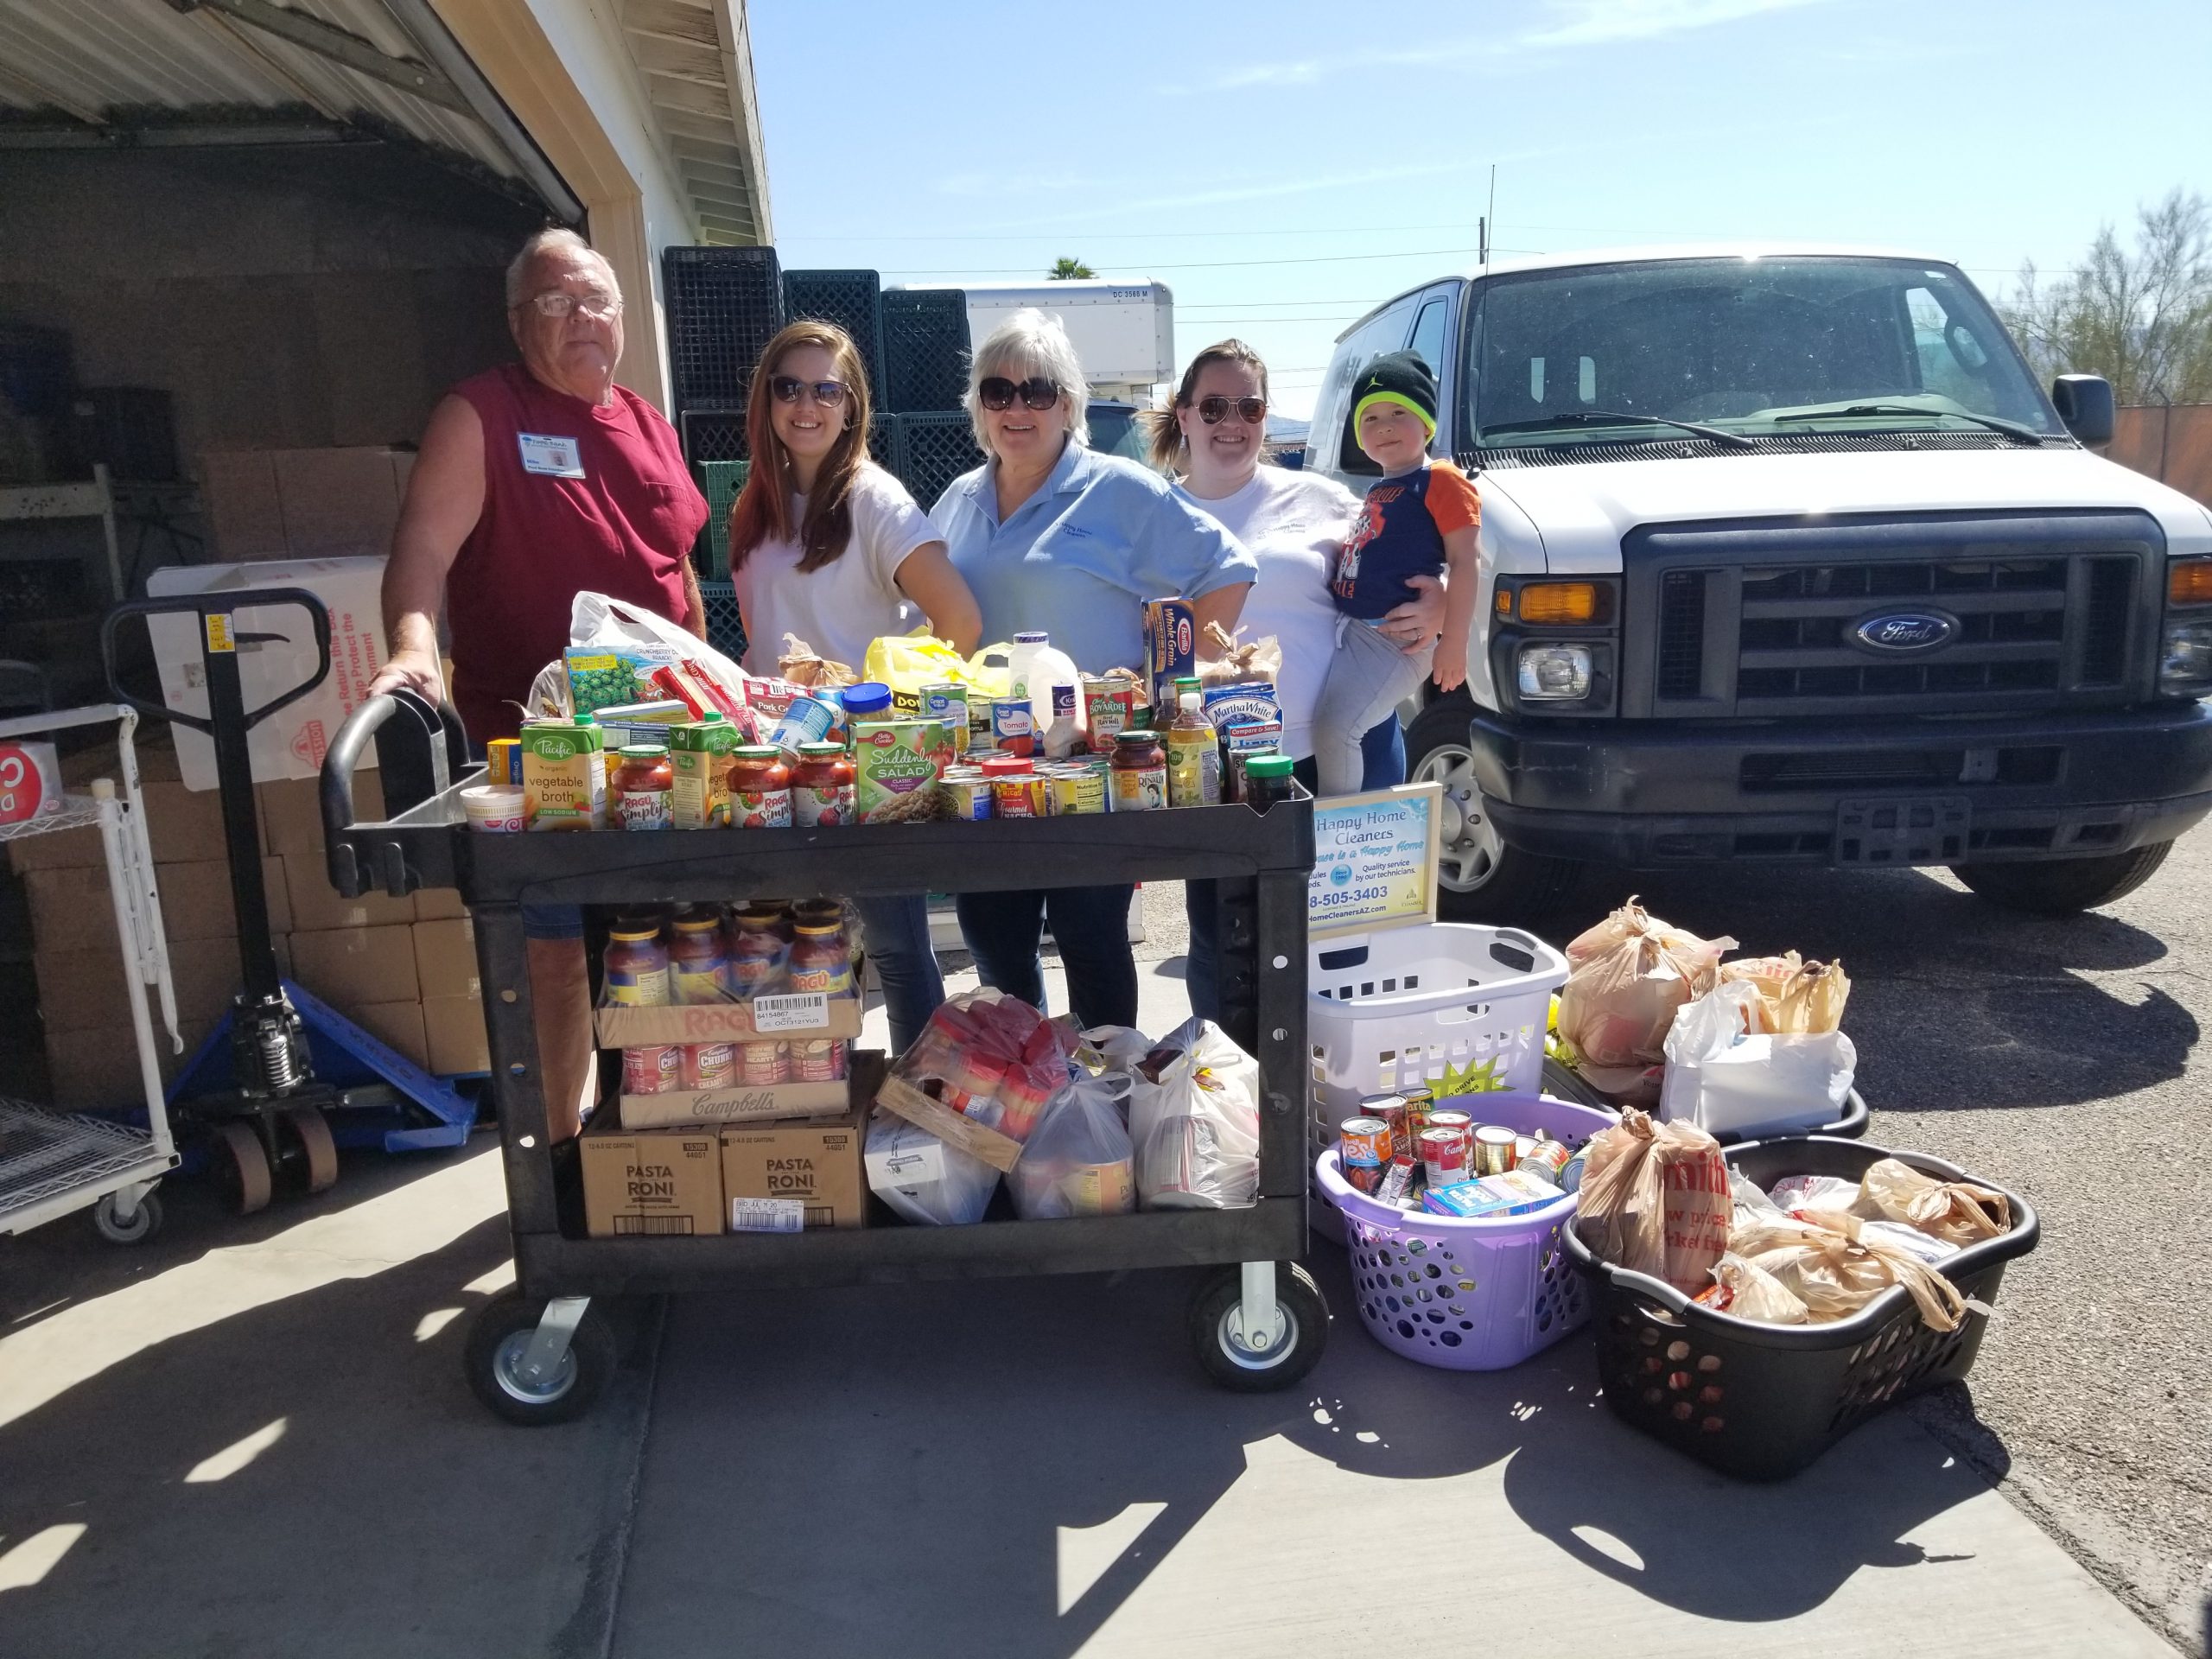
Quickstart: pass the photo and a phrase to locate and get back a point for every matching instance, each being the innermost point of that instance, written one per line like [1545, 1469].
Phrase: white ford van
[1786, 556]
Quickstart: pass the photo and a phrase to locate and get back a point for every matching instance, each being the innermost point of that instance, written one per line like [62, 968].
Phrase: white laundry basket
[1387, 1010]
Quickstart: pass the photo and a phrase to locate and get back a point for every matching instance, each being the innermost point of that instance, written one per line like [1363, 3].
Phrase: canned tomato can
[762, 1065]
[1021, 795]
[708, 1066]
[1391, 1108]
[970, 792]
[1448, 1117]
[1443, 1155]
[1012, 729]
[1493, 1149]
[1545, 1157]
[651, 1069]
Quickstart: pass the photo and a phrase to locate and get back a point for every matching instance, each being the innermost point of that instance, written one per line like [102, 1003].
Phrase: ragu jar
[644, 787]
[756, 951]
[696, 958]
[759, 788]
[821, 785]
[636, 964]
[821, 960]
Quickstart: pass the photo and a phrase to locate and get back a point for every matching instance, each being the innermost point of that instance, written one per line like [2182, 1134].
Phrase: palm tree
[1065, 269]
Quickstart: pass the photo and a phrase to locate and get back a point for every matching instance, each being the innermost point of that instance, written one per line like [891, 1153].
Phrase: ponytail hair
[1164, 431]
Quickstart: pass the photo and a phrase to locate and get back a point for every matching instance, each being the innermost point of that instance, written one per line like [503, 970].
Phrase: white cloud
[1597, 22]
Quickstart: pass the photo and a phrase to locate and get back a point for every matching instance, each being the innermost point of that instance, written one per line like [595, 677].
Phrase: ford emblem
[1906, 631]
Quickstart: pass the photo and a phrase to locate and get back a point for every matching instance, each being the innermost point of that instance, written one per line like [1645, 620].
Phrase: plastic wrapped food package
[923, 1179]
[1194, 1119]
[991, 1057]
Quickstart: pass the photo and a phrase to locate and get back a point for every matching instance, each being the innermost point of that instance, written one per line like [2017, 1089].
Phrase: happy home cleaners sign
[1375, 860]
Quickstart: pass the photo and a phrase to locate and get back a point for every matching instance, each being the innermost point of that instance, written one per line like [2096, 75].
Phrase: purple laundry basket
[1468, 1295]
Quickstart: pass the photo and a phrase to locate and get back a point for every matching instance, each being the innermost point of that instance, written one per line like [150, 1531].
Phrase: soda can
[970, 792]
[1012, 729]
[1363, 1143]
[651, 1069]
[1493, 1147]
[1391, 1108]
[762, 1065]
[1443, 1155]
[708, 1066]
[947, 702]
[1547, 1158]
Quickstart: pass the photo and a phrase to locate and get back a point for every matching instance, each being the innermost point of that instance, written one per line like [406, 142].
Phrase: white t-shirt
[853, 599]
[1293, 523]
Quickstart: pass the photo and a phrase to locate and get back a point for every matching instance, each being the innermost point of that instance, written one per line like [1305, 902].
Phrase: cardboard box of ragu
[275, 648]
[652, 1184]
[790, 1177]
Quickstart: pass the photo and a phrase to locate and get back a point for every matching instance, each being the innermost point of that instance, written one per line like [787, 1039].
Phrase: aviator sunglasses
[1036, 392]
[1250, 410]
[828, 393]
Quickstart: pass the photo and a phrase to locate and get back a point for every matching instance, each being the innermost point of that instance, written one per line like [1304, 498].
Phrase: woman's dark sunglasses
[1036, 392]
[1250, 410]
[828, 393]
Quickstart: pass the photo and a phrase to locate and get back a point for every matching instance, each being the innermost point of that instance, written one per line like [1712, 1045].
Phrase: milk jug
[1048, 678]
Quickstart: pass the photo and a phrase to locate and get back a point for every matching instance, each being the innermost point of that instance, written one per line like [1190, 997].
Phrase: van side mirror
[2084, 403]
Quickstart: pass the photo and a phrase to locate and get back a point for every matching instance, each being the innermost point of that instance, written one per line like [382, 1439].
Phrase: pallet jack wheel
[145, 1221]
[311, 1131]
[241, 1168]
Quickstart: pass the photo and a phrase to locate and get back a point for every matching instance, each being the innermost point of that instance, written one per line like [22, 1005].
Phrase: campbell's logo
[1906, 631]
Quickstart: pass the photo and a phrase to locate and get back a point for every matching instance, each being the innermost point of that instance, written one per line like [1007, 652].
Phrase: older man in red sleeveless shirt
[537, 481]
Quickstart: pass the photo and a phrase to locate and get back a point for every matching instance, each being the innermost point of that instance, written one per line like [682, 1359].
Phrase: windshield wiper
[1612, 417]
[2011, 430]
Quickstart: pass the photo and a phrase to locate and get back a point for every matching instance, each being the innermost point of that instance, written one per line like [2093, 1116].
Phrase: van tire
[1479, 878]
[2063, 886]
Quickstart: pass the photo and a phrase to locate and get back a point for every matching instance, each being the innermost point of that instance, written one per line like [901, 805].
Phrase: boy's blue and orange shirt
[1400, 533]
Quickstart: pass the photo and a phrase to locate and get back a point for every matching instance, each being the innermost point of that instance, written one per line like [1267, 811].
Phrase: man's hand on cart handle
[411, 671]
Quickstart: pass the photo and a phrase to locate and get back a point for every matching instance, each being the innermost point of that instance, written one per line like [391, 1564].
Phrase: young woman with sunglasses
[1050, 535]
[1293, 524]
[825, 544]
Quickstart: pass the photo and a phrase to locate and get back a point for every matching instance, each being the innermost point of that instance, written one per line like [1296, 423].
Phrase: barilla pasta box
[1170, 649]
[897, 766]
[698, 753]
[564, 775]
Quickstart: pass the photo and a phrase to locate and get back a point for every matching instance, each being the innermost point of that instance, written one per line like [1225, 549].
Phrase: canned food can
[708, 1066]
[1443, 1155]
[820, 1060]
[1022, 796]
[1363, 1143]
[1420, 1101]
[1077, 789]
[970, 792]
[1452, 1118]
[651, 1069]
[1546, 1158]
[1108, 706]
[1493, 1149]
[762, 1065]
[1570, 1175]
[947, 702]
[1012, 729]
[1391, 1108]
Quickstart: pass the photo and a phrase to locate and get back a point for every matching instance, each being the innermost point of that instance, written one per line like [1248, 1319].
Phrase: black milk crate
[723, 305]
[714, 432]
[887, 443]
[936, 449]
[1761, 1402]
[851, 299]
[925, 349]
[725, 628]
[720, 481]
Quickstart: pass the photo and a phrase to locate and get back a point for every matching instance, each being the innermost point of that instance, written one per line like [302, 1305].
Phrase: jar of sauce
[821, 785]
[636, 965]
[821, 960]
[756, 951]
[759, 788]
[1267, 780]
[644, 787]
[1138, 777]
[696, 957]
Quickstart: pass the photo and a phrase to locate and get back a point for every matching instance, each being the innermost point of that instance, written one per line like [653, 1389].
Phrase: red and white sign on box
[289, 743]
[30, 781]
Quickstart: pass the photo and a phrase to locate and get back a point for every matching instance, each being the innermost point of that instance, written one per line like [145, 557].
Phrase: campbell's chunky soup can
[651, 1069]
[709, 1065]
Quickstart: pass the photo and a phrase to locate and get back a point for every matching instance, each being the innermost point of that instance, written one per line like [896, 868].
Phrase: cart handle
[217, 637]
[418, 759]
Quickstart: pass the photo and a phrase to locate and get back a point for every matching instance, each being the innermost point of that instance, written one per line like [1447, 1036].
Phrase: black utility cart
[542, 1353]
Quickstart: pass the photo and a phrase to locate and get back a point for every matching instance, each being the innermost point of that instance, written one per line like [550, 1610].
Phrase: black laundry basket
[1761, 1402]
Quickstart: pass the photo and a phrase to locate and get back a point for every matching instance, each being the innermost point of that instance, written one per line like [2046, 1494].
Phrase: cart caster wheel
[1300, 1333]
[308, 1133]
[241, 1168]
[145, 1221]
[498, 1343]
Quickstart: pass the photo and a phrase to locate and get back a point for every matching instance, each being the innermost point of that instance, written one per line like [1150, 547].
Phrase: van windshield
[1756, 348]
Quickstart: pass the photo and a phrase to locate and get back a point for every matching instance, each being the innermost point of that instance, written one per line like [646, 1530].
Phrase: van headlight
[1555, 673]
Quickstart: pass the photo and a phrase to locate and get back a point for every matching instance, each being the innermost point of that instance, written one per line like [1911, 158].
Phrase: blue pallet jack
[283, 1081]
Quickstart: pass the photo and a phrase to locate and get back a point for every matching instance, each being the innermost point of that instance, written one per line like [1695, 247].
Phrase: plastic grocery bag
[1796, 996]
[1194, 1119]
[1114, 1048]
[908, 662]
[1836, 1270]
[1959, 1212]
[922, 1177]
[1728, 1077]
[1239, 661]
[1750, 1291]
[1077, 1160]
[1626, 979]
[1654, 1199]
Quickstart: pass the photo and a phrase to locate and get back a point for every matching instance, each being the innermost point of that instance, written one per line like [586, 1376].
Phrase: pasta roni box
[564, 775]
[698, 753]
[1171, 650]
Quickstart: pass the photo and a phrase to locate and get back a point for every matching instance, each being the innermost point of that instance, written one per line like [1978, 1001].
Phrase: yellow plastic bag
[908, 662]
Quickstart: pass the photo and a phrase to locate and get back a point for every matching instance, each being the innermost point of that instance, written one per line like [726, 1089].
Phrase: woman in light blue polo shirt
[1049, 534]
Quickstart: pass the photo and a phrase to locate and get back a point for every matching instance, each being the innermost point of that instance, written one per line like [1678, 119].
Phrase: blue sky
[1284, 166]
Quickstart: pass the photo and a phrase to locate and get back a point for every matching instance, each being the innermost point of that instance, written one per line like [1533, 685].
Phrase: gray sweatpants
[1368, 677]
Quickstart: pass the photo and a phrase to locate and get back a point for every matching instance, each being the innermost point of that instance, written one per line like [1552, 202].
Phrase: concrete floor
[254, 1439]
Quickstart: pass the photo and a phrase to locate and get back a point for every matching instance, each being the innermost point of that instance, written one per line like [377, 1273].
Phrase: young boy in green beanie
[1421, 517]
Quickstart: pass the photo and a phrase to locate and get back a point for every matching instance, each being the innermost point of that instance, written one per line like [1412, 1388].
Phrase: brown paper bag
[801, 666]
[1958, 1212]
[1749, 1291]
[1835, 1270]
[1238, 661]
[1654, 1199]
[1627, 978]
[1796, 997]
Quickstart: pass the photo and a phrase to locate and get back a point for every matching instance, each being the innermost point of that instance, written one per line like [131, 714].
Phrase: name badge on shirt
[549, 457]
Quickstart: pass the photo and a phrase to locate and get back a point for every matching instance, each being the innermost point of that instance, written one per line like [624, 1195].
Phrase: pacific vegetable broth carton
[564, 775]
[698, 753]
[897, 767]
[1171, 652]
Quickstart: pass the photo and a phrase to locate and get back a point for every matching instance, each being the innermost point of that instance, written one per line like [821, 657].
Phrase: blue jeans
[1089, 925]
[1384, 752]
[896, 931]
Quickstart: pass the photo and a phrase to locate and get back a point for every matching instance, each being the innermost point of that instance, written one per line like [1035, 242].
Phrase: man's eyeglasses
[1250, 410]
[828, 393]
[599, 308]
[1036, 392]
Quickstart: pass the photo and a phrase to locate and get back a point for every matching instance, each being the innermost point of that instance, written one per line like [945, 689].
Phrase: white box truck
[1124, 333]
